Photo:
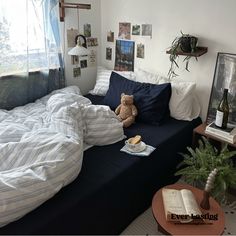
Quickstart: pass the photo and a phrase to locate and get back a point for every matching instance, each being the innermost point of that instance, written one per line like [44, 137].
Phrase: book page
[190, 202]
[173, 202]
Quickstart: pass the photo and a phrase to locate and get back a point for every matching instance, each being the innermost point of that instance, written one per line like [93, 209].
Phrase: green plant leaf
[198, 163]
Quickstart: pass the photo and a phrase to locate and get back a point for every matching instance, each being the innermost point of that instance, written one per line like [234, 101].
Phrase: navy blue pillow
[119, 85]
[151, 100]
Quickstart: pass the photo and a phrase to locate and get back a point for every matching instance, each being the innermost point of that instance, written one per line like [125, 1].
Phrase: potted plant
[184, 43]
[198, 164]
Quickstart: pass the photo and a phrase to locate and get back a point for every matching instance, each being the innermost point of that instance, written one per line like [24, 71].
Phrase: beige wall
[212, 21]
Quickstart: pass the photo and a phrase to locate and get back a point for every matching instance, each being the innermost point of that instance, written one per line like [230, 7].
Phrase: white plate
[141, 148]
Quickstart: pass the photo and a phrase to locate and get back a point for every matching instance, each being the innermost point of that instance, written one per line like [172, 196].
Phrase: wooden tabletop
[209, 228]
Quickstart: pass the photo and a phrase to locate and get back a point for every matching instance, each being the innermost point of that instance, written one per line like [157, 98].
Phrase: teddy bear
[126, 111]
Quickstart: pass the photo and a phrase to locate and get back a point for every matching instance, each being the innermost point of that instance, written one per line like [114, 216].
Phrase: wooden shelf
[199, 52]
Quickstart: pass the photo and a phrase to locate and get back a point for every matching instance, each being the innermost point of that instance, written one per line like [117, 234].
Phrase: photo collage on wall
[85, 61]
[125, 33]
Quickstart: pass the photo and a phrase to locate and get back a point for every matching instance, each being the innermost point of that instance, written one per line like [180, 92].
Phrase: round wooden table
[167, 227]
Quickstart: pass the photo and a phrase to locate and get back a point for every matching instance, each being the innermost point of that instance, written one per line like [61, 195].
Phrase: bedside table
[200, 131]
[167, 227]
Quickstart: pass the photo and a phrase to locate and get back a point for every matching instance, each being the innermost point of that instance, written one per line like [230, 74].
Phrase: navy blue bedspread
[113, 188]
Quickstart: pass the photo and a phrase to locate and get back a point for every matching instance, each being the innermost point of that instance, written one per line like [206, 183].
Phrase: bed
[113, 188]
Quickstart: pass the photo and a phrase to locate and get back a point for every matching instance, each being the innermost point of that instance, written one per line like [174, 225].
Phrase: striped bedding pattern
[41, 148]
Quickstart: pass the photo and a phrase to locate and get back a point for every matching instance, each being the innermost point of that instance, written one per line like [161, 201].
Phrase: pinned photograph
[124, 60]
[71, 34]
[76, 72]
[124, 30]
[83, 64]
[140, 50]
[110, 36]
[74, 60]
[147, 30]
[92, 59]
[92, 42]
[136, 30]
[109, 54]
[87, 30]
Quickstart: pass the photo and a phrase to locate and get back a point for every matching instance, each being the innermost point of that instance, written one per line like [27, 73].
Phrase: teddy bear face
[127, 100]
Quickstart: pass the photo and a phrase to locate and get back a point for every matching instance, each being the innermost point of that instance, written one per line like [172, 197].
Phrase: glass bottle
[222, 112]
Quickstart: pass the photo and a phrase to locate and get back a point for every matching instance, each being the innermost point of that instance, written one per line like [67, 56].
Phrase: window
[27, 42]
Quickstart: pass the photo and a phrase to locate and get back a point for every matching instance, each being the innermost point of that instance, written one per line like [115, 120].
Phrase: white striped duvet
[41, 148]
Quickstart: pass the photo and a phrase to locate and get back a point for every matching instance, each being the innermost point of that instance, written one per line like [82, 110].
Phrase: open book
[180, 205]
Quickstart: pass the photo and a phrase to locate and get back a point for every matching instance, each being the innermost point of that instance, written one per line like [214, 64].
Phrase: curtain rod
[63, 5]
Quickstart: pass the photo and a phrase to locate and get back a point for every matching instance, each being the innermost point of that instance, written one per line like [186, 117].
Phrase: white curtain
[27, 40]
[31, 63]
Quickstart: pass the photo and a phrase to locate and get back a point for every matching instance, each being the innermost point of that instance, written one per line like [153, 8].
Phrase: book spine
[222, 137]
[226, 134]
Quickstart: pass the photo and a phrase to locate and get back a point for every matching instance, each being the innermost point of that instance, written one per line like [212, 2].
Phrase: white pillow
[183, 102]
[103, 80]
[143, 76]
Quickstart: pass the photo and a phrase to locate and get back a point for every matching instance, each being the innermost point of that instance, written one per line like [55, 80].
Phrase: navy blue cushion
[151, 100]
[119, 85]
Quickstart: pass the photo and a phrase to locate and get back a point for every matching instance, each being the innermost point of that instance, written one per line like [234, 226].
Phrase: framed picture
[124, 60]
[224, 77]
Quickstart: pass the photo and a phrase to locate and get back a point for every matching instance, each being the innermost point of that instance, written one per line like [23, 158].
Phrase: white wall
[93, 16]
[212, 21]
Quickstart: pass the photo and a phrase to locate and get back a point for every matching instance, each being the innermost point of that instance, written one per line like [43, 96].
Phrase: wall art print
[110, 36]
[147, 30]
[87, 30]
[124, 60]
[224, 77]
[136, 30]
[124, 30]
[140, 50]
[109, 54]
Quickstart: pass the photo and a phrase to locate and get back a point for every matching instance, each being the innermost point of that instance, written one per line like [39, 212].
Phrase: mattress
[113, 187]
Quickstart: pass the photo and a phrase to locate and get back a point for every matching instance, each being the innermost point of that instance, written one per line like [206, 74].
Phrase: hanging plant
[184, 43]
